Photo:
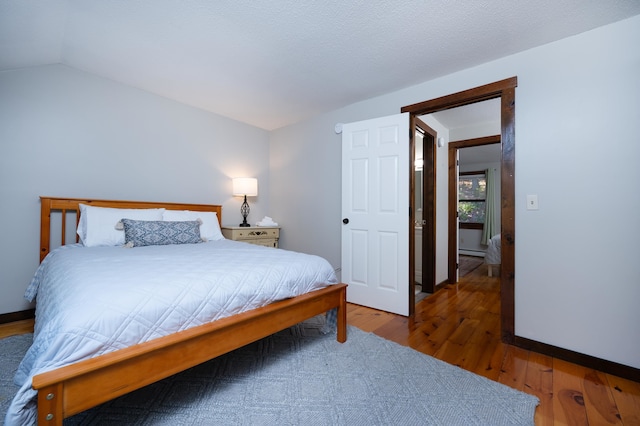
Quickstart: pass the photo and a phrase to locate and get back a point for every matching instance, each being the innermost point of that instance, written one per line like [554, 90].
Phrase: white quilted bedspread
[494, 255]
[91, 301]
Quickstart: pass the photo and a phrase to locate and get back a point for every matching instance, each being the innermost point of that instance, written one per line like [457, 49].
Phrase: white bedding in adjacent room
[493, 255]
[94, 300]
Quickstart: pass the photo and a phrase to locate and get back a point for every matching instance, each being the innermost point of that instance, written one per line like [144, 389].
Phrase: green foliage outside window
[472, 192]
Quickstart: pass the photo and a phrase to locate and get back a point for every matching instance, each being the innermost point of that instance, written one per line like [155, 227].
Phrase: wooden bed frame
[72, 389]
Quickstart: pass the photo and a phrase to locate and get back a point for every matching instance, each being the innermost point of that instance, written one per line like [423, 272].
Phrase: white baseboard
[472, 253]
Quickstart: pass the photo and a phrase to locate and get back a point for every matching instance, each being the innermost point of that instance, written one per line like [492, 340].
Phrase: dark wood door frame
[505, 90]
[428, 209]
[453, 199]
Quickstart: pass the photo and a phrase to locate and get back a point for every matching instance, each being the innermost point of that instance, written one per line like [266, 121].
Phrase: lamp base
[244, 210]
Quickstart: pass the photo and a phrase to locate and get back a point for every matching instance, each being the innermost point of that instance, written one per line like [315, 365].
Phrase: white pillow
[210, 228]
[97, 226]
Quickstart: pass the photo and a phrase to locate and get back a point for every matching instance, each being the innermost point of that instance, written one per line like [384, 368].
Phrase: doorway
[505, 91]
[423, 184]
[454, 229]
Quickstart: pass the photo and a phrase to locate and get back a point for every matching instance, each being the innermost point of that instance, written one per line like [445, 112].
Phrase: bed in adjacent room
[140, 299]
[493, 255]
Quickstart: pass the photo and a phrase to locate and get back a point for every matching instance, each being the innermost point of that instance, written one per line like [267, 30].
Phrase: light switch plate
[532, 202]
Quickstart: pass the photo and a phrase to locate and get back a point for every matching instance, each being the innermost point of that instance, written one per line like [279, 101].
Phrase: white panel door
[375, 212]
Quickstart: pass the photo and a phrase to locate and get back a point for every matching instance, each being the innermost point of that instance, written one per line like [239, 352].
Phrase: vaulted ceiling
[273, 63]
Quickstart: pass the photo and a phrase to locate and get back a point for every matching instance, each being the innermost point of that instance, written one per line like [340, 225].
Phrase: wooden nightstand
[260, 235]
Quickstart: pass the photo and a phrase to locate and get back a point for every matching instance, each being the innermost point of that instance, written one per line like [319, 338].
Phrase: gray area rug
[467, 264]
[302, 377]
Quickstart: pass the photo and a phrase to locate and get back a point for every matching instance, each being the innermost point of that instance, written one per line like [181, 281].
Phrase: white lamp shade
[245, 186]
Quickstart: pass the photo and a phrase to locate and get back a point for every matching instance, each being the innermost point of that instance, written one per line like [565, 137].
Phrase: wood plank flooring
[15, 328]
[461, 325]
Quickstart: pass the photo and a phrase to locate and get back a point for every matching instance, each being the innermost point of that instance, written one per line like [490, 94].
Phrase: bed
[493, 255]
[92, 366]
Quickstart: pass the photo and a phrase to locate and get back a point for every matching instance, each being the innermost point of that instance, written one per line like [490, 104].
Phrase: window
[472, 193]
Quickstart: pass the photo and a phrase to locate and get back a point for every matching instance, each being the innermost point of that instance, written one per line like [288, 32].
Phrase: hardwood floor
[460, 324]
[17, 327]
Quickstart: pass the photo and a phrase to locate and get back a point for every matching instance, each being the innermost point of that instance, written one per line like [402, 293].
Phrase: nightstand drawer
[263, 236]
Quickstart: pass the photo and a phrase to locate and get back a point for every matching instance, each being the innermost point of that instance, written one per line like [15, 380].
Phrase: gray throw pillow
[139, 233]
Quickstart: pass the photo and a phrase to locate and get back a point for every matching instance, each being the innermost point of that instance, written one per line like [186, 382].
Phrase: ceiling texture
[274, 63]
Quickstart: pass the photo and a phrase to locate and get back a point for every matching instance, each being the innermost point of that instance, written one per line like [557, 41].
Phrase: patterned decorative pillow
[139, 233]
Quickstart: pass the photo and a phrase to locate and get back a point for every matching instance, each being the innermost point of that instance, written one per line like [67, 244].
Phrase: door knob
[345, 220]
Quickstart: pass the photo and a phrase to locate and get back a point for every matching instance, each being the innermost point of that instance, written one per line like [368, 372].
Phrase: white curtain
[491, 226]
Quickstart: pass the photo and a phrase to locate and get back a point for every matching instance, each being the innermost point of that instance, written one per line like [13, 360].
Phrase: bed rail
[78, 387]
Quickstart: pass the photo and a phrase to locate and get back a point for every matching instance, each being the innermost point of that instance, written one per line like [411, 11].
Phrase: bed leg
[489, 269]
[50, 405]
[342, 316]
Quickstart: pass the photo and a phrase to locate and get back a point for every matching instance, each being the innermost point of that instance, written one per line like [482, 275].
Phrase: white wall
[476, 131]
[71, 134]
[577, 144]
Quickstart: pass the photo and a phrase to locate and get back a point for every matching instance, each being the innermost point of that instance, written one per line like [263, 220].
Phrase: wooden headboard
[64, 205]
